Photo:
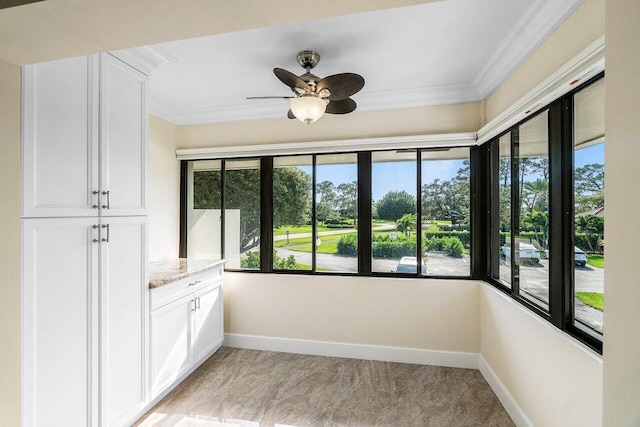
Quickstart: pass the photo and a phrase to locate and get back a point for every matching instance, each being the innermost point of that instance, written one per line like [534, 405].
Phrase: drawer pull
[195, 283]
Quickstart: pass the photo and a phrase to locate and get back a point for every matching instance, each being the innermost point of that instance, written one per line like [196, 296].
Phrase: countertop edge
[157, 283]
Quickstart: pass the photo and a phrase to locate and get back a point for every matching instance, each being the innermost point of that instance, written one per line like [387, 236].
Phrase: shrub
[253, 261]
[454, 247]
[348, 245]
[463, 236]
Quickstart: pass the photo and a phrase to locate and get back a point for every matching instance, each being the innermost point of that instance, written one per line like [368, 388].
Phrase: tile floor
[238, 387]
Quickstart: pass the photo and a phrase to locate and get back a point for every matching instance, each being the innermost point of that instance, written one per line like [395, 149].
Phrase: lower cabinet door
[207, 321]
[170, 343]
[124, 299]
[59, 322]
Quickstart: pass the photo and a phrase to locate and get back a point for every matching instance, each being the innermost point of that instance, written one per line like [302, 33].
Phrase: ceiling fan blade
[290, 79]
[270, 97]
[290, 115]
[341, 86]
[343, 106]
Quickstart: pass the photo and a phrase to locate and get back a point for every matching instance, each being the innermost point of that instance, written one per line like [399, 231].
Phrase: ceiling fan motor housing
[308, 59]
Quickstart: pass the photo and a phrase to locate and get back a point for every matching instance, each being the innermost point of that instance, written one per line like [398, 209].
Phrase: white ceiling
[447, 52]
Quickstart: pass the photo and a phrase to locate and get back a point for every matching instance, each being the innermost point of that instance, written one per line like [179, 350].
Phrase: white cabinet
[85, 287]
[85, 323]
[124, 299]
[84, 145]
[186, 327]
[60, 322]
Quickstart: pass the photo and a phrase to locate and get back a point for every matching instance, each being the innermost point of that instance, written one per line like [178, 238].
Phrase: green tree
[326, 191]
[589, 179]
[395, 204]
[291, 189]
[347, 200]
[406, 223]
[291, 196]
[448, 199]
[593, 228]
[538, 222]
[536, 194]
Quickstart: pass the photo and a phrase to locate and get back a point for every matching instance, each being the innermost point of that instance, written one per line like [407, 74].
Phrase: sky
[391, 176]
[400, 176]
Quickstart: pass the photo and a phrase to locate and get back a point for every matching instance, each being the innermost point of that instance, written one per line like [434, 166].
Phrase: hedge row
[384, 247]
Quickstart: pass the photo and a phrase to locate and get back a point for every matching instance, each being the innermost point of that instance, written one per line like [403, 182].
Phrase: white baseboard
[452, 359]
[510, 405]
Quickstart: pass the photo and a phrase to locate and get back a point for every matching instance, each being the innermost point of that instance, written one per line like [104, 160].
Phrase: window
[446, 211]
[242, 214]
[545, 225]
[588, 179]
[530, 245]
[204, 204]
[292, 226]
[394, 223]
[337, 213]
[500, 212]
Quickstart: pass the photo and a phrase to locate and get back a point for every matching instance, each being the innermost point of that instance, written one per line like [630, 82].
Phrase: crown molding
[277, 109]
[361, 144]
[540, 20]
[579, 69]
[145, 58]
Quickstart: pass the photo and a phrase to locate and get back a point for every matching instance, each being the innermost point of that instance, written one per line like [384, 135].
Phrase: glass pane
[393, 186]
[242, 214]
[445, 212]
[504, 205]
[531, 250]
[292, 212]
[337, 213]
[589, 206]
[203, 209]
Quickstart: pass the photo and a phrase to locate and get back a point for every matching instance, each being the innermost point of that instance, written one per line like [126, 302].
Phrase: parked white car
[409, 264]
[527, 251]
[580, 257]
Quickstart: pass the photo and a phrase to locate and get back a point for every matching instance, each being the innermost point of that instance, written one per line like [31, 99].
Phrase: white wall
[164, 187]
[424, 314]
[10, 244]
[622, 204]
[555, 380]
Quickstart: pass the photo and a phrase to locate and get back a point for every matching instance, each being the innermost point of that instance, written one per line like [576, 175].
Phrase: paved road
[377, 227]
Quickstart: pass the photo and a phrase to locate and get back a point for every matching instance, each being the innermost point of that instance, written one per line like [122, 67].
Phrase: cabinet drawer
[165, 294]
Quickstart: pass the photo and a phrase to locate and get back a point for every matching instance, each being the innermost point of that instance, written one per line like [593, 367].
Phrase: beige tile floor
[238, 387]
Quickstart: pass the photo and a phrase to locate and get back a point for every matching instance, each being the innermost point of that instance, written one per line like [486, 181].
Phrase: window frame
[561, 132]
[364, 173]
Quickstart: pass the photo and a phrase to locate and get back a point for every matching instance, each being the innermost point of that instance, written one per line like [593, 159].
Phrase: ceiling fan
[314, 96]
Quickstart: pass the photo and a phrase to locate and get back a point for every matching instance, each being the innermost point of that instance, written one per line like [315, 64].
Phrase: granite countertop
[165, 271]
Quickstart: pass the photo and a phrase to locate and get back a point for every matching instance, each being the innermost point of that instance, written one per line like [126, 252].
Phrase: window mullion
[364, 213]
[266, 214]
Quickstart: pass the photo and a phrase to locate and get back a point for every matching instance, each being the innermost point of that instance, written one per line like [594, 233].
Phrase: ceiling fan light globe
[308, 109]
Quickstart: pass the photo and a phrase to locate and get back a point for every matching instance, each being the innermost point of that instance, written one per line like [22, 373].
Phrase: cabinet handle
[195, 283]
[98, 194]
[194, 305]
[198, 303]
[108, 205]
[107, 227]
[98, 239]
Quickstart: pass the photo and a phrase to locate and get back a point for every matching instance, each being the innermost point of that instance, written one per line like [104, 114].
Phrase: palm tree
[537, 193]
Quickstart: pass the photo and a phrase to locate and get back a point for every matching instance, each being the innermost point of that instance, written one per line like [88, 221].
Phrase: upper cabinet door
[123, 139]
[60, 138]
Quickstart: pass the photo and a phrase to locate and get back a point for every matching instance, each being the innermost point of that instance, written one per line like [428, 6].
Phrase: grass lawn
[307, 241]
[297, 229]
[595, 260]
[592, 299]
[330, 247]
[298, 241]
